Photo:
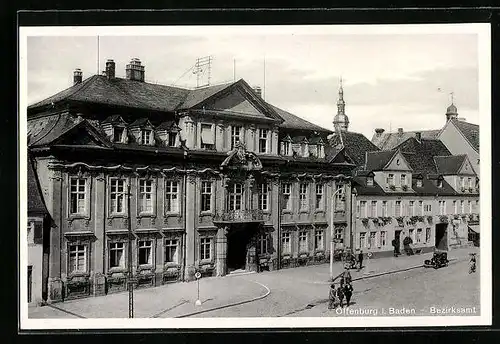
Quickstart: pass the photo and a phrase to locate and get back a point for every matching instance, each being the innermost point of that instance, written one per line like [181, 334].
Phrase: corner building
[212, 179]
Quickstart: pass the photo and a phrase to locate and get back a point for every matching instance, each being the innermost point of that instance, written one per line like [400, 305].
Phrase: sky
[390, 81]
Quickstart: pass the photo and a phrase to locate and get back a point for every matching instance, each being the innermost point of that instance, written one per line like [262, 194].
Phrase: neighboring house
[213, 180]
[38, 240]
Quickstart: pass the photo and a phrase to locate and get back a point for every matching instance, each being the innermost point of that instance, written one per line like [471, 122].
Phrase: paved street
[293, 292]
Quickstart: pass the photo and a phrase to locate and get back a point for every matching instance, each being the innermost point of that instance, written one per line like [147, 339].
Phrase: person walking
[331, 296]
[472, 263]
[340, 296]
[360, 259]
[348, 289]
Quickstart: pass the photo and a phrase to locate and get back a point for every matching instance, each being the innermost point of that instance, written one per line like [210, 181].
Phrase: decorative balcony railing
[239, 216]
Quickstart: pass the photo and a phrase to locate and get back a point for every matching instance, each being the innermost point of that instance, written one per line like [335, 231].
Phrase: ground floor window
[117, 255]
[77, 258]
[171, 251]
[303, 242]
[383, 236]
[373, 239]
[427, 235]
[145, 252]
[362, 239]
[30, 282]
[339, 234]
[263, 246]
[318, 240]
[412, 234]
[419, 235]
[285, 243]
[206, 248]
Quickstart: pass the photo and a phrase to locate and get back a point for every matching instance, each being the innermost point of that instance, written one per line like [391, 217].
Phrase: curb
[230, 304]
[453, 260]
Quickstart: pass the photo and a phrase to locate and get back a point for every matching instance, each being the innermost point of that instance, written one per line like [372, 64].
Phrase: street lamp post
[332, 231]
[354, 193]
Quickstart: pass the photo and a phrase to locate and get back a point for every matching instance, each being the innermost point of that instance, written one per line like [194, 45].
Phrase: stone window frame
[177, 180]
[154, 196]
[241, 135]
[212, 194]
[211, 239]
[152, 252]
[261, 186]
[322, 194]
[213, 129]
[79, 241]
[300, 237]
[178, 239]
[124, 213]
[230, 191]
[319, 233]
[126, 247]
[289, 243]
[88, 195]
[289, 193]
[304, 208]
[264, 239]
[383, 239]
[265, 139]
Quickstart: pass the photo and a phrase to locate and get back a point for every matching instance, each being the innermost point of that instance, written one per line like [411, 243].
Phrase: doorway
[397, 242]
[441, 236]
[238, 240]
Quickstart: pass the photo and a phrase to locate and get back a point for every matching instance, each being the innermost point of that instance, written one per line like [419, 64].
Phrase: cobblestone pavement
[292, 291]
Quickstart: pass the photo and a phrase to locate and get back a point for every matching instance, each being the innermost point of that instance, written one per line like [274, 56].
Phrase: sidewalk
[170, 300]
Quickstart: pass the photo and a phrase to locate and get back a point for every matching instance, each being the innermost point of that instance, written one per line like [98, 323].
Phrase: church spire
[341, 121]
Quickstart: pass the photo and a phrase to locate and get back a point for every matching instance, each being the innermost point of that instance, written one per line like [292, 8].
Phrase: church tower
[341, 121]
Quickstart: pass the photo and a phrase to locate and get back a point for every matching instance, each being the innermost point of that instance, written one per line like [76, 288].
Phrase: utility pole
[130, 281]
[332, 231]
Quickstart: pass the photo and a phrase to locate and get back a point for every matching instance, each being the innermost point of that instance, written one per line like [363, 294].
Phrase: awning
[207, 136]
[474, 228]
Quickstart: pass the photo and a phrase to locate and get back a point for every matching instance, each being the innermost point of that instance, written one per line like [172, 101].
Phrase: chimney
[400, 131]
[110, 69]
[418, 135]
[379, 131]
[134, 70]
[258, 90]
[77, 76]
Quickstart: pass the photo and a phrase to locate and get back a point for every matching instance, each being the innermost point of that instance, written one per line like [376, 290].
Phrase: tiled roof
[314, 140]
[113, 119]
[165, 125]
[470, 131]
[139, 122]
[293, 122]
[299, 139]
[36, 205]
[389, 141]
[356, 145]
[449, 165]
[420, 154]
[122, 92]
[375, 161]
[42, 131]
[365, 190]
[430, 188]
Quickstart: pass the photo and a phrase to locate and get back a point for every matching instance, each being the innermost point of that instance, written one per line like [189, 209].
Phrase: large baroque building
[213, 179]
[421, 185]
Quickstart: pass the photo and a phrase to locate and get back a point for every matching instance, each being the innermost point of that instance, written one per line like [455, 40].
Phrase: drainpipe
[278, 265]
[184, 189]
[61, 235]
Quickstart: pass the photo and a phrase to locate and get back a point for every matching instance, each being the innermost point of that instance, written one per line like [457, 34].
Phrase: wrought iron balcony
[239, 216]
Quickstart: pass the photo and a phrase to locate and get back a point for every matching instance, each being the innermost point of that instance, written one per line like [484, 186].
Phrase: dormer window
[403, 179]
[146, 136]
[390, 179]
[286, 147]
[419, 182]
[118, 134]
[369, 181]
[303, 149]
[320, 149]
[439, 183]
[172, 139]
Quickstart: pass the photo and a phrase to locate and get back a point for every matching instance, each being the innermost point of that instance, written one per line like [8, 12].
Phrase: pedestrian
[348, 289]
[360, 259]
[340, 296]
[348, 278]
[472, 263]
[331, 296]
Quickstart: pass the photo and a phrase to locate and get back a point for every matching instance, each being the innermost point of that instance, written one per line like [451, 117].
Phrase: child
[348, 293]
[331, 296]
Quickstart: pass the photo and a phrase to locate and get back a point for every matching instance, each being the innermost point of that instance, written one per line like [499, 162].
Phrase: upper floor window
[461, 182]
[469, 182]
[369, 181]
[78, 196]
[339, 197]
[172, 139]
[428, 208]
[319, 196]
[235, 196]
[145, 196]
[146, 136]
[286, 190]
[118, 133]
[117, 193]
[235, 136]
[470, 207]
[303, 246]
[207, 136]
[421, 207]
[77, 258]
[303, 199]
[286, 246]
[455, 207]
[390, 179]
[462, 207]
[172, 196]
[206, 195]
[263, 136]
[264, 197]
[397, 208]
[442, 207]
[384, 208]
[373, 211]
[362, 208]
[403, 179]
[411, 206]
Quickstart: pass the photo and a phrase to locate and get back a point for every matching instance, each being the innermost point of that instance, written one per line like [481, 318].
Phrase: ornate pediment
[240, 158]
